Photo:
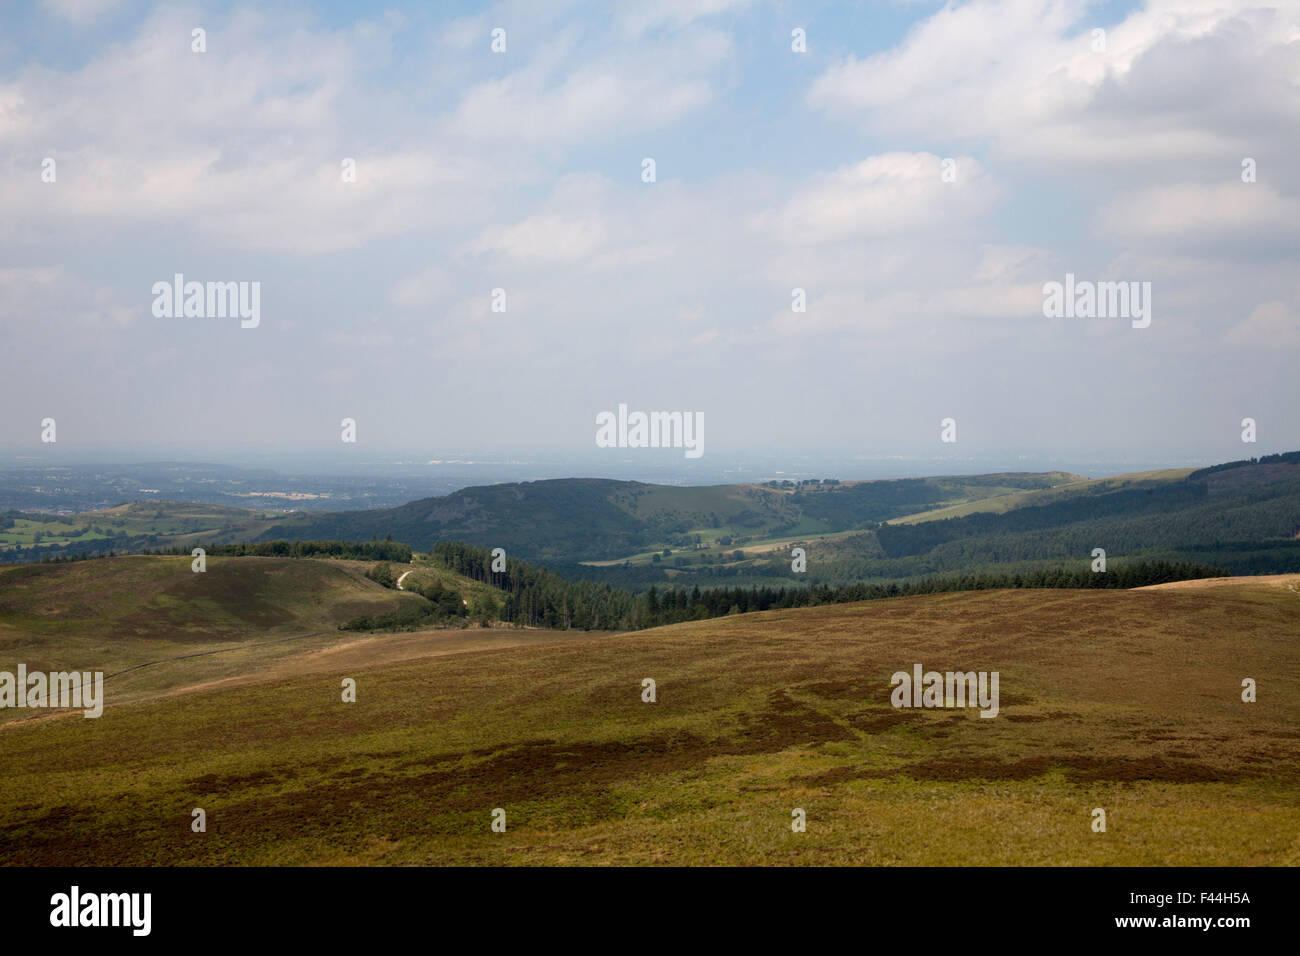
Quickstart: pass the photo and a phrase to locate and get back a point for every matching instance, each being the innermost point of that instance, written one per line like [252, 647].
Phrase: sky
[920, 170]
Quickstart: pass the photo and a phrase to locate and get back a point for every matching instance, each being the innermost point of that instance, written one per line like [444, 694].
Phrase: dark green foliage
[538, 598]
[387, 550]
[534, 597]
[540, 519]
[856, 506]
[441, 606]
[900, 540]
[382, 573]
[1285, 458]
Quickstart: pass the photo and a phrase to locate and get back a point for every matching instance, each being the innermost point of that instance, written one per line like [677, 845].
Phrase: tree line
[536, 597]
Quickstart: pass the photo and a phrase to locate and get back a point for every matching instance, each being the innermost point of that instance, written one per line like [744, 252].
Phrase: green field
[162, 524]
[1125, 700]
[1010, 498]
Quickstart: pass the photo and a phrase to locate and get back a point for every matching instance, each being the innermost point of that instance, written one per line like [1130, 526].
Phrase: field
[1125, 700]
[1010, 499]
[163, 524]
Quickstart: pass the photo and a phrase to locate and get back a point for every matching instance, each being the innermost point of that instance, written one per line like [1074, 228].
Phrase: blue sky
[775, 170]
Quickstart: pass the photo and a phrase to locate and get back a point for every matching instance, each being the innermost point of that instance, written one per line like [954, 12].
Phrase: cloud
[565, 97]
[1205, 212]
[1010, 262]
[49, 303]
[940, 316]
[477, 170]
[889, 194]
[544, 238]
[1271, 325]
[1172, 84]
[363, 338]
[675, 13]
[243, 144]
[419, 290]
[80, 13]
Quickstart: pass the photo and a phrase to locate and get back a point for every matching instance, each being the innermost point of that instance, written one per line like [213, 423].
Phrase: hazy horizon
[467, 467]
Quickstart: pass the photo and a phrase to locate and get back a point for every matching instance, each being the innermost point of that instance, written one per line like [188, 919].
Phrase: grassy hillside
[1129, 701]
[1028, 498]
[112, 614]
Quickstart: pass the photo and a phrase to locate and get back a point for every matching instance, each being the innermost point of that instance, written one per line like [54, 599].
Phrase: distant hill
[1243, 517]
[579, 519]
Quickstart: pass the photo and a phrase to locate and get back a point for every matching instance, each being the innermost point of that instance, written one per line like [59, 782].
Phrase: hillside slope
[111, 614]
[574, 519]
[1243, 517]
[1127, 701]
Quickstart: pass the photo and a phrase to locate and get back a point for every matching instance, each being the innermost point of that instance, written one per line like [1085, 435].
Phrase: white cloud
[1271, 325]
[889, 194]
[650, 14]
[362, 338]
[600, 97]
[938, 318]
[1010, 262]
[1173, 82]
[244, 148]
[544, 238]
[80, 13]
[1201, 212]
[51, 304]
[419, 290]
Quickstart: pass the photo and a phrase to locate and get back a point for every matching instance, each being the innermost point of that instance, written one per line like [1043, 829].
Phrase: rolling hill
[587, 519]
[1243, 517]
[1128, 701]
[118, 615]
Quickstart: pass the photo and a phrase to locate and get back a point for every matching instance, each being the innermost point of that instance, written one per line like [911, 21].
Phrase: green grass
[1125, 700]
[170, 524]
[1000, 501]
